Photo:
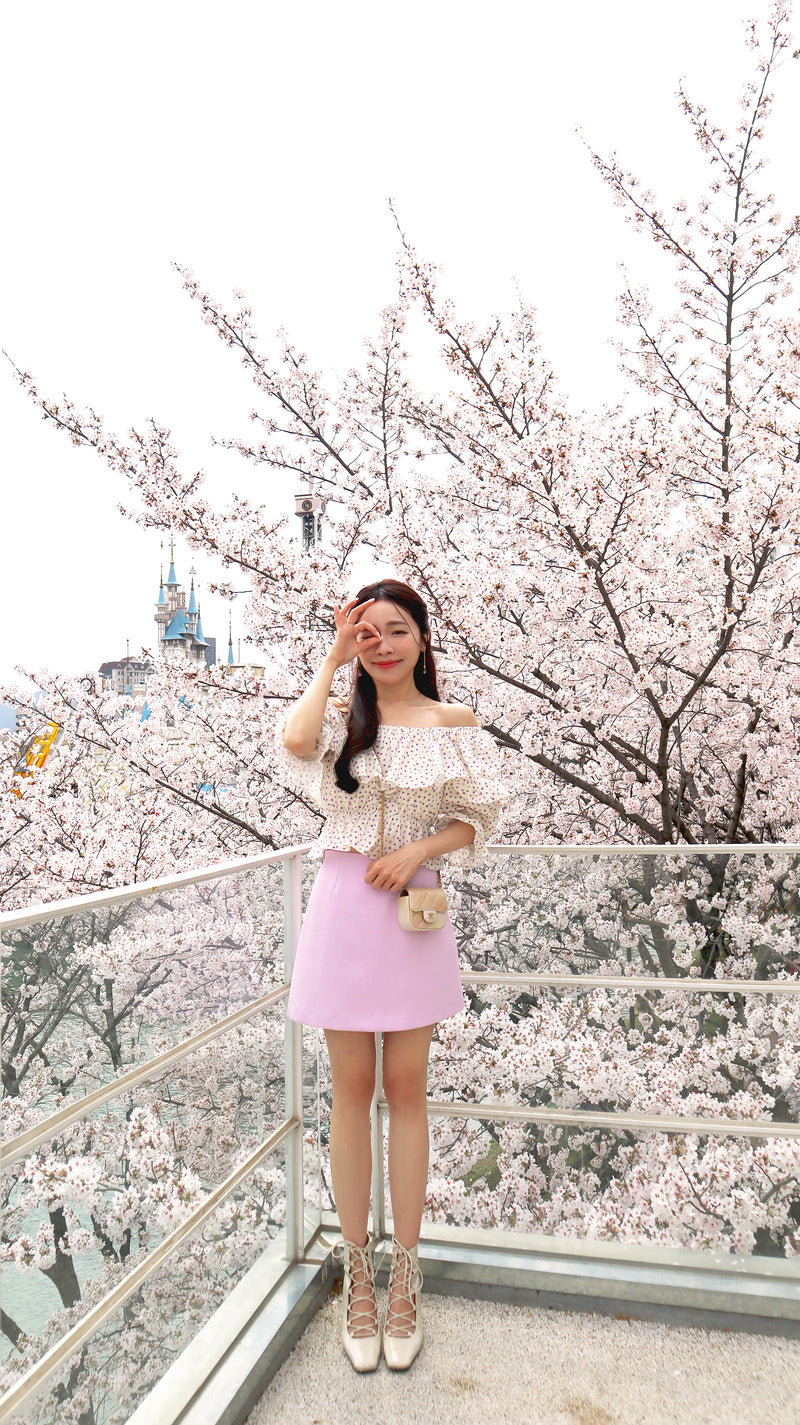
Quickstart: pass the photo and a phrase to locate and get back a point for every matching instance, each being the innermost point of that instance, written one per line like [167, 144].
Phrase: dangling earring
[424, 660]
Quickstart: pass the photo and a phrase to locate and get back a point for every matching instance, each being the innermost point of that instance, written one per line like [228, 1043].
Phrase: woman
[357, 971]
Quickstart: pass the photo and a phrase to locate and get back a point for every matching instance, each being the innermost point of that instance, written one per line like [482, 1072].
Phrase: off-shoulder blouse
[430, 776]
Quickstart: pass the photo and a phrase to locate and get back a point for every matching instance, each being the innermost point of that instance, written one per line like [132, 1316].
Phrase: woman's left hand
[392, 871]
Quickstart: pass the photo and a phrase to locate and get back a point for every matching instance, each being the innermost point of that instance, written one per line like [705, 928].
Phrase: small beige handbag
[418, 907]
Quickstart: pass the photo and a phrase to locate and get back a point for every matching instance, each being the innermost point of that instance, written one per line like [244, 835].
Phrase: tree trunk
[62, 1274]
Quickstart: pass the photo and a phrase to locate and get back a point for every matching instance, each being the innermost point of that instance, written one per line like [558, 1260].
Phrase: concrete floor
[483, 1362]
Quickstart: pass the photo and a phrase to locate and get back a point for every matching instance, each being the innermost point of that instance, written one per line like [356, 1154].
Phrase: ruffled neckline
[412, 763]
[427, 727]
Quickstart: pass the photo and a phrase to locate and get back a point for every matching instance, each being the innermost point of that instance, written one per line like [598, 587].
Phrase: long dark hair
[363, 722]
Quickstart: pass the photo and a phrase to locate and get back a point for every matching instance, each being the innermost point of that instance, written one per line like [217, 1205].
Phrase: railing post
[376, 1122]
[293, 1065]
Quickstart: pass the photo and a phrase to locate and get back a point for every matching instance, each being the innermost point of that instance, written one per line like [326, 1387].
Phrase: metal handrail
[632, 848]
[683, 984]
[598, 1118]
[12, 920]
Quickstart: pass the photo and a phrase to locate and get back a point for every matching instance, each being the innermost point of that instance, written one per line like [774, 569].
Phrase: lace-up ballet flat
[360, 1329]
[402, 1333]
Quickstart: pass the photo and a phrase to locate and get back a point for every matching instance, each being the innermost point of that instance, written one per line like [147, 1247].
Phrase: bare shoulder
[454, 715]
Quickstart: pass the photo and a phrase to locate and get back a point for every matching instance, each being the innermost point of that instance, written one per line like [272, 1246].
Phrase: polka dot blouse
[430, 776]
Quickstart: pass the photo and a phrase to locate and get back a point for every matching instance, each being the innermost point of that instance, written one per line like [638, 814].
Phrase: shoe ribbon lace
[357, 1258]
[405, 1281]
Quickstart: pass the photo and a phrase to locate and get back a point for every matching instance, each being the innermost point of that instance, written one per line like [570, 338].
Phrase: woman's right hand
[353, 637]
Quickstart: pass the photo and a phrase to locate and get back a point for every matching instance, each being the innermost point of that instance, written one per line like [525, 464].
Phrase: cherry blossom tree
[628, 608]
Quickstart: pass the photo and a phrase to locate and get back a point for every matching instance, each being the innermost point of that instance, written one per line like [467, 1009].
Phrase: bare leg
[352, 1057]
[405, 1082]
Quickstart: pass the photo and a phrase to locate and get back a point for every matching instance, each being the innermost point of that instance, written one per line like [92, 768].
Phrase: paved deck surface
[484, 1362]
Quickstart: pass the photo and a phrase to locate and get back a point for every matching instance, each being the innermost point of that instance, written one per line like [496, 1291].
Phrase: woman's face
[391, 660]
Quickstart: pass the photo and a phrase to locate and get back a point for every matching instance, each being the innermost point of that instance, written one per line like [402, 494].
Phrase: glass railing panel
[123, 1360]
[734, 1054]
[721, 914]
[698, 1191]
[84, 1209]
[90, 995]
[642, 1051]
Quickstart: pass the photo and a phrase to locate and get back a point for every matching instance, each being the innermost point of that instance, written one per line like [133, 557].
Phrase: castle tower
[179, 629]
[176, 598]
[191, 611]
[209, 644]
[162, 615]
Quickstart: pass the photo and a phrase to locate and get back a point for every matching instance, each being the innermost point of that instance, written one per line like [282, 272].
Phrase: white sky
[258, 145]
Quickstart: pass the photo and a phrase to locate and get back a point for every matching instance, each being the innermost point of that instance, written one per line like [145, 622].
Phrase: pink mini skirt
[356, 968]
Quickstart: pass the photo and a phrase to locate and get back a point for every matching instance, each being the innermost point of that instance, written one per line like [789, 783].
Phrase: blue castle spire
[176, 629]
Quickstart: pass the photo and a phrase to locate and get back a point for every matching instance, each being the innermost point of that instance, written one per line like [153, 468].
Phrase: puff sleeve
[305, 773]
[476, 795]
